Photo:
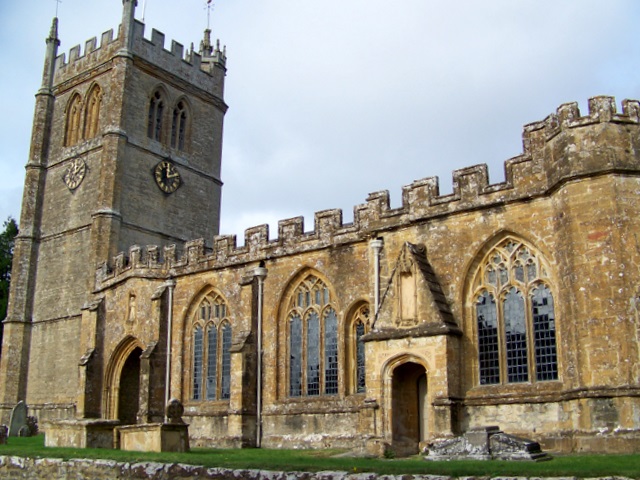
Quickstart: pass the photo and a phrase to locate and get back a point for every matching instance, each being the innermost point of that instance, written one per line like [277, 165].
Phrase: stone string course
[52, 468]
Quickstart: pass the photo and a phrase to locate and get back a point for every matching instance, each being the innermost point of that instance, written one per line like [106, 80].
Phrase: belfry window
[313, 340]
[211, 363]
[72, 128]
[92, 115]
[515, 317]
[179, 126]
[156, 111]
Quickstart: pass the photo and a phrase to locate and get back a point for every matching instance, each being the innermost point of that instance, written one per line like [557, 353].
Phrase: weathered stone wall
[571, 198]
[17, 468]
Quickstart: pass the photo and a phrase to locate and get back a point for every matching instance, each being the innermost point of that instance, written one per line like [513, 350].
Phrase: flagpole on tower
[144, 9]
[209, 7]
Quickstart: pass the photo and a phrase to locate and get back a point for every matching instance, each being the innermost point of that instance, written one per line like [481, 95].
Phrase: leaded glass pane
[225, 389]
[326, 295]
[295, 360]
[510, 246]
[519, 272]
[212, 362]
[488, 356]
[544, 329]
[197, 363]
[313, 354]
[504, 275]
[360, 365]
[330, 352]
[515, 336]
[531, 271]
[491, 277]
[301, 299]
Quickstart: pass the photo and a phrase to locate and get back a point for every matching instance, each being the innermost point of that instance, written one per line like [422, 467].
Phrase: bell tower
[126, 149]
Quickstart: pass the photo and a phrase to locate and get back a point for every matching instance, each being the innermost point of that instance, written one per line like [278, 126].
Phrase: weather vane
[209, 6]
[58, 2]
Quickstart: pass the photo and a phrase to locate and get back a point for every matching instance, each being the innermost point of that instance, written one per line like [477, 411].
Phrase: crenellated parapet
[564, 147]
[205, 69]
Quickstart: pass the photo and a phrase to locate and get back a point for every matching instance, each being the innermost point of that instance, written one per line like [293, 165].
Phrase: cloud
[332, 100]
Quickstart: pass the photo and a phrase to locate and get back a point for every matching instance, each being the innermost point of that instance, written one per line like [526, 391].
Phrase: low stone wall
[14, 468]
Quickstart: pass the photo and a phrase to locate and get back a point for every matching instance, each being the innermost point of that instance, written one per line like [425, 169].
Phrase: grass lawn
[315, 460]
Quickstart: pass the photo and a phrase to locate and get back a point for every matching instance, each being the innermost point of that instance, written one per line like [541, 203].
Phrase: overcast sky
[331, 100]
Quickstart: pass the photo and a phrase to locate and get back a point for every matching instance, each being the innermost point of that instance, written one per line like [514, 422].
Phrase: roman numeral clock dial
[167, 176]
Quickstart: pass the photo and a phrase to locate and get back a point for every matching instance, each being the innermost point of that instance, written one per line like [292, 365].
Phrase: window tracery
[212, 339]
[514, 317]
[312, 324]
[74, 113]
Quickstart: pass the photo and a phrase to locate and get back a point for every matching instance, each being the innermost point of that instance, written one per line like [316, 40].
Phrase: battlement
[204, 69]
[563, 147]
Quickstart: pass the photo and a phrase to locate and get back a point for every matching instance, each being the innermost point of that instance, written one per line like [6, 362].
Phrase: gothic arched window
[312, 324]
[211, 362]
[515, 317]
[156, 112]
[72, 133]
[179, 126]
[358, 325]
[92, 115]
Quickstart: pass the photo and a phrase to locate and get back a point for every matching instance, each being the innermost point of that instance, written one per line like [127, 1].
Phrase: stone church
[513, 304]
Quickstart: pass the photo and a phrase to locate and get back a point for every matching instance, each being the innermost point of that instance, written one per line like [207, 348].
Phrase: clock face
[167, 176]
[75, 173]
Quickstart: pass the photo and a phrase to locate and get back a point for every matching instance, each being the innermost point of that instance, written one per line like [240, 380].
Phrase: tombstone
[4, 433]
[18, 419]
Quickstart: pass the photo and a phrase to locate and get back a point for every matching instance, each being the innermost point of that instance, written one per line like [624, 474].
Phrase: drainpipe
[171, 284]
[260, 273]
[376, 245]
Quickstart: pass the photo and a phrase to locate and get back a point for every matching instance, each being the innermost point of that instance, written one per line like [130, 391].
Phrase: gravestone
[4, 433]
[18, 419]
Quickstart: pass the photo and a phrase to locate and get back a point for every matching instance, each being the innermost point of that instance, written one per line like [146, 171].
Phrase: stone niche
[154, 437]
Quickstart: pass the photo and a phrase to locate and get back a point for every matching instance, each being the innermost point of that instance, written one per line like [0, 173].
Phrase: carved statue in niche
[131, 317]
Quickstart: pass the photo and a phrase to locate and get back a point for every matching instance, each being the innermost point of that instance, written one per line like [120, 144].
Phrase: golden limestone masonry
[513, 304]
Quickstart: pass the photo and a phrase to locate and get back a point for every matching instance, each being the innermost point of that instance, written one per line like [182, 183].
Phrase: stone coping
[12, 467]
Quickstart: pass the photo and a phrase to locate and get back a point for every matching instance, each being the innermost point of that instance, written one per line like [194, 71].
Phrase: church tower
[126, 149]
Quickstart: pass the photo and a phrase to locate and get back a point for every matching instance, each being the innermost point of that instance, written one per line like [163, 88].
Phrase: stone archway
[122, 385]
[409, 425]
[129, 389]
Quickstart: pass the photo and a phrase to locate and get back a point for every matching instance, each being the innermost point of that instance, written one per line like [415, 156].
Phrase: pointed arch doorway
[409, 408]
[123, 383]
[129, 389]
